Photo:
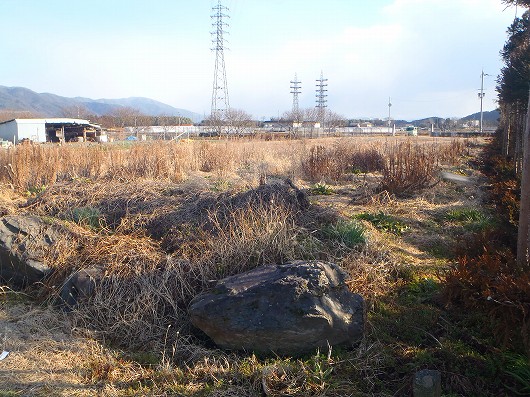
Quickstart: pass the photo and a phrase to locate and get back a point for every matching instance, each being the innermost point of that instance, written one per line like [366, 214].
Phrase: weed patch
[383, 222]
[87, 216]
[471, 219]
[518, 369]
[349, 233]
[321, 189]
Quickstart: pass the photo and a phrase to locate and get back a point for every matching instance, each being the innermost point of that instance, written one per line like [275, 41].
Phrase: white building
[49, 130]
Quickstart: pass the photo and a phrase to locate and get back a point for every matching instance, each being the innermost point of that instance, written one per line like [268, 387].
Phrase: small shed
[49, 130]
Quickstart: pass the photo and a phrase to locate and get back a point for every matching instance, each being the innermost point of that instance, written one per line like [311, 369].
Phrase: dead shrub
[453, 152]
[318, 164]
[217, 158]
[340, 161]
[369, 160]
[489, 283]
[408, 168]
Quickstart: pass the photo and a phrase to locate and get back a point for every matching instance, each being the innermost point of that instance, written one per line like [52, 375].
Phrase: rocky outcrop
[24, 243]
[287, 309]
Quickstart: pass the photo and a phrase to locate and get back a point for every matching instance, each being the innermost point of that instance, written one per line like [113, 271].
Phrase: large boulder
[287, 309]
[24, 243]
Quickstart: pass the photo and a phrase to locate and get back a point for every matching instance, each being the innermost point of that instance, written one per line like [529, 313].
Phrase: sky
[425, 55]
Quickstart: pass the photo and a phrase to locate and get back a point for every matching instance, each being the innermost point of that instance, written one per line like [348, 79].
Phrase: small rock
[79, 286]
[427, 383]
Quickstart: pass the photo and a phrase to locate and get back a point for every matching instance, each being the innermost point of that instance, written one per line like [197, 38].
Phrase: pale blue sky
[425, 54]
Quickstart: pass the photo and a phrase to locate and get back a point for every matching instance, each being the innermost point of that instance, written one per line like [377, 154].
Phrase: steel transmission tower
[296, 90]
[321, 98]
[220, 102]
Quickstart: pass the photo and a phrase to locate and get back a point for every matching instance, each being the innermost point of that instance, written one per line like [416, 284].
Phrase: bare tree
[126, 117]
[77, 112]
[334, 120]
[17, 114]
[239, 121]
[524, 3]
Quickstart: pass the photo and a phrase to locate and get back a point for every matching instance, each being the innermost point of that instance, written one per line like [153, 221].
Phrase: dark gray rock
[79, 286]
[287, 309]
[24, 243]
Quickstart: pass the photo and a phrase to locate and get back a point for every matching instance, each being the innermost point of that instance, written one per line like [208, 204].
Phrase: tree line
[118, 118]
[513, 86]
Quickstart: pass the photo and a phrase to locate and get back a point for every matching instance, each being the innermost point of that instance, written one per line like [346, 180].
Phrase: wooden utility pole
[523, 238]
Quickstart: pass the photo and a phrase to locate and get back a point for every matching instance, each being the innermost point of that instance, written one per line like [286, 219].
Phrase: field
[164, 220]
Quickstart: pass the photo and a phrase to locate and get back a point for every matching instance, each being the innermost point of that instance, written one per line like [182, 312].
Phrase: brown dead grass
[44, 357]
[167, 231]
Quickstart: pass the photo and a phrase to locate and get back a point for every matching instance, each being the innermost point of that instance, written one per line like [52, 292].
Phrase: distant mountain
[427, 121]
[50, 105]
[489, 116]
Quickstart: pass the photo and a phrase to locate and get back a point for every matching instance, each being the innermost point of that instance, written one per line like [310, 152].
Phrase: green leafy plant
[465, 215]
[36, 190]
[321, 189]
[384, 222]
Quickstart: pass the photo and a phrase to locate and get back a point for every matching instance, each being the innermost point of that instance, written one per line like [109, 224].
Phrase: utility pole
[481, 95]
[321, 98]
[220, 102]
[389, 119]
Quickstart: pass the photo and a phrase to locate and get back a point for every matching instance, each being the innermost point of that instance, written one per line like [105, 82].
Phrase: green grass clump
[384, 222]
[465, 215]
[8, 393]
[518, 368]
[350, 233]
[87, 216]
[470, 218]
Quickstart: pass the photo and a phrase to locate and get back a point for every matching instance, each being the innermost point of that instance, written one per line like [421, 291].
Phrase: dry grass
[158, 252]
[163, 243]
[156, 219]
[332, 159]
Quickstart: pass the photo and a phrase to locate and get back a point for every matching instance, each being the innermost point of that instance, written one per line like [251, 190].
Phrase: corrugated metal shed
[47, 130]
